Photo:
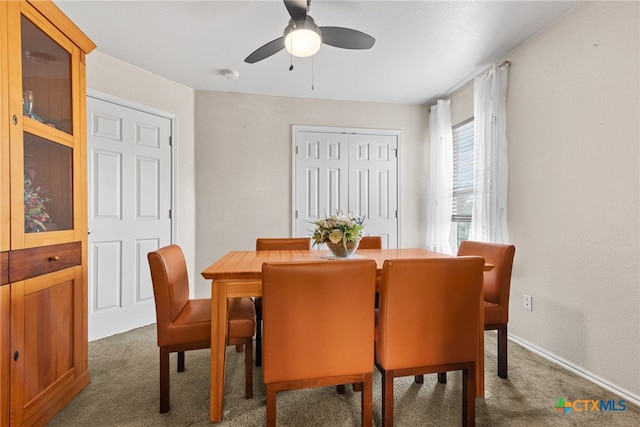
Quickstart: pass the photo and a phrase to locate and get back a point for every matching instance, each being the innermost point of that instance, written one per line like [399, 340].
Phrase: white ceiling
[423, 49]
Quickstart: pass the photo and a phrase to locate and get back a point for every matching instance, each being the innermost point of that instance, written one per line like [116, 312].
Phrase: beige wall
[243, 165]
[118, 79]
[572, 128]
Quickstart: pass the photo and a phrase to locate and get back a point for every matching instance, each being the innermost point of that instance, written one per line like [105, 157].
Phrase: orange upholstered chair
[428, 321]
[185, 324]
[497, 285]
[370, 242]
[308, 341]
[274, 244]
[282, 243]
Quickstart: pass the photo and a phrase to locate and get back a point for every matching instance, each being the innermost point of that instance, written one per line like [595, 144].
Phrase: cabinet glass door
[47, 140]
[46, 79]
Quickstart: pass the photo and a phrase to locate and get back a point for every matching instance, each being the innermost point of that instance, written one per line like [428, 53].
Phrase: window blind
[463, 155]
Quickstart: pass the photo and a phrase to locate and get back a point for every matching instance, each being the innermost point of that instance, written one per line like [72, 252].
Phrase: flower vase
[340, 250]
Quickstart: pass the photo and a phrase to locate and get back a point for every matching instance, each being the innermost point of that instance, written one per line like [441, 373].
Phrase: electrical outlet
[527, 302]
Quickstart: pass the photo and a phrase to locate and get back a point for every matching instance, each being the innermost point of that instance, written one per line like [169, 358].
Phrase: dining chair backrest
[497, 281]
[282, 243]
[370, 242]
[429, 311]
[297, 344]
[170, 288]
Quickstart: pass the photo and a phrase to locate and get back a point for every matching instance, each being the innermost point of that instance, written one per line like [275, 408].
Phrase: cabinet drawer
[26, 263]
[4, 268]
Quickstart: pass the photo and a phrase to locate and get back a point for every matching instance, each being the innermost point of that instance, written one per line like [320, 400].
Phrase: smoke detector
[231, 74]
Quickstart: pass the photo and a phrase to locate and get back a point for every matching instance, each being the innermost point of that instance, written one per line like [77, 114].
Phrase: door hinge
[170, 141]
[296, 214]
[396, 151]
[170, 213]
[296, 150]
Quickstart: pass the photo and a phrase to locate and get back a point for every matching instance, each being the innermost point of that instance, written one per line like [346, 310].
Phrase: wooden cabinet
[43, 218]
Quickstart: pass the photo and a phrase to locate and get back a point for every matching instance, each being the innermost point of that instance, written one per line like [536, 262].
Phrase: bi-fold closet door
[346, 169]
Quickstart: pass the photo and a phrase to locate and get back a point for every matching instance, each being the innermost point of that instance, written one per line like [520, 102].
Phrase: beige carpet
[124, 392]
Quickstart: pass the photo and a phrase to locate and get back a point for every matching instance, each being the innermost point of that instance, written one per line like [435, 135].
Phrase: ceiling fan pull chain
[291, 59]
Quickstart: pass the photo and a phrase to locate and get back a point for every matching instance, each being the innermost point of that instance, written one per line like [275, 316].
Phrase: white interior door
[322, 181]
[373, 184]
[346, 170]
[129, 181]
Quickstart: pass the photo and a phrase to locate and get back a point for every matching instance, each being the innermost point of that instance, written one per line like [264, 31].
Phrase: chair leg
[419, 379]
[164, 380]
[340, 389]
[181, 361]
[442, 377]
[502, 351]
[248, 366]
[271, 405]
[366, 400]
[387, 398]
[258, 304]
[469, 396]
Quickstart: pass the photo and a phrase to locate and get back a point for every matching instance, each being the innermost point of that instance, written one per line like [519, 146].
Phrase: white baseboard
[570, 366]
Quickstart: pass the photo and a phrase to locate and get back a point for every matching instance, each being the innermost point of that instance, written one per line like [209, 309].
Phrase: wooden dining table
[239, 274]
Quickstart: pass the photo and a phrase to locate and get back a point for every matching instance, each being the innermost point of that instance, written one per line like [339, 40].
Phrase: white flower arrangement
[342, 227]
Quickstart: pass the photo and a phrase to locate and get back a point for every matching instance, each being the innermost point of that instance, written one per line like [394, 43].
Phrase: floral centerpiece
[35, 212]
[340, 232]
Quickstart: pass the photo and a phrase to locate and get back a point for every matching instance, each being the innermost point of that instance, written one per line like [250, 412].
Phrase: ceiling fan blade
[266, 51]
[346, 38]
[297, 8]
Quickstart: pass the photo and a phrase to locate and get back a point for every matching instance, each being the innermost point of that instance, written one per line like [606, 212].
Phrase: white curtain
[489, 217]
[440, 178]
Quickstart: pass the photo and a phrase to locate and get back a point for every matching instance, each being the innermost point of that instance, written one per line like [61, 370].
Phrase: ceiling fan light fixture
[302, 38]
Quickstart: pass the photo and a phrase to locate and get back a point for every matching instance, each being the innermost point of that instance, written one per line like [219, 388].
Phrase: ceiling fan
[302, 37]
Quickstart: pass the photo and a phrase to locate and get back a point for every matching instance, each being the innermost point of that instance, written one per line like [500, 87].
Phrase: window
[462, 206]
